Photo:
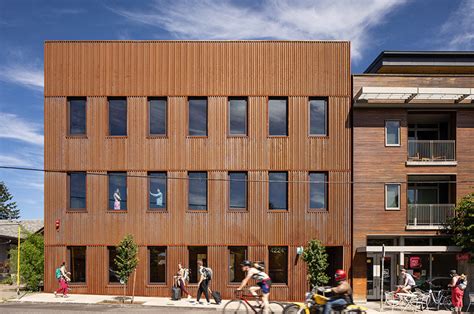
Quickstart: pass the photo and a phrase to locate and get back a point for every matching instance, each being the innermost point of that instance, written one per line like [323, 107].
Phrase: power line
[115, 174]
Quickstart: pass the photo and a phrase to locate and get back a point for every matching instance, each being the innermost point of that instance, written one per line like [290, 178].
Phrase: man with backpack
[204, 280]
[63, 279]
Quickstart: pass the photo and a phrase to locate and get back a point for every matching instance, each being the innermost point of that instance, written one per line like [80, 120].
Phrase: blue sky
[371, 25]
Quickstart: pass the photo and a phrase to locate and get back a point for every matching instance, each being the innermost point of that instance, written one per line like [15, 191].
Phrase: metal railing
[429, 214]
[436, 150]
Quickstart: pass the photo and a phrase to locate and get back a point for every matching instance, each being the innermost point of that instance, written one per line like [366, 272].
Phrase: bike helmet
[340, 275]
[246, 263]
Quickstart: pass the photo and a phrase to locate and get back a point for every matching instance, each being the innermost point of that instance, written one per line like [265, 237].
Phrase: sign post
[382, 277]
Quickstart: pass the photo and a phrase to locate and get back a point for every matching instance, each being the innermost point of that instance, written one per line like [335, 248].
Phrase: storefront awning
[410, 249]
[407, 94]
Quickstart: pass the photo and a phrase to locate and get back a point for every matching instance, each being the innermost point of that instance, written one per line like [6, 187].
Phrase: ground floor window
[278, 264]
[196, 253]
[77, 263]
[157, 264]
[113, 275]
[237, 254]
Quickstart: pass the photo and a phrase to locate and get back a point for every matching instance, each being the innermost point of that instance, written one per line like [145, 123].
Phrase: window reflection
[318, 188]
[77, 190]
[157, 116]
[197, 190]
[158, 187]
[237, 116]
[118, 190]
[117, 116]
[278, 190]
[238, 190]
[318, 118]
[77, 116]
[278, 116]
[197, 116]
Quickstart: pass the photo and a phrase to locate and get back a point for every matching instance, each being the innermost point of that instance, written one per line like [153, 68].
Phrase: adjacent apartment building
[413, 158]
[202, 150]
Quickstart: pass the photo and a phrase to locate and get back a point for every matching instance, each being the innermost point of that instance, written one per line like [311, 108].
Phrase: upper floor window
[77, 115]
[158, 186]
[278, 190]
[157, 264]
[77, 263]
[278, 264]
[318, 190]
[117, 116]
[157, 116]
[237, 190]
[392, 196]
[77, 190]
[237, 116]
[197, 182]
[318, 116]
[197, 116]
[278, 116]
[118, 191]
[237, 254]
[392, 133]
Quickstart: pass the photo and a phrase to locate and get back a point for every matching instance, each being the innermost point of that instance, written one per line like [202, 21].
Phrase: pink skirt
[456, 296]
[116, 205]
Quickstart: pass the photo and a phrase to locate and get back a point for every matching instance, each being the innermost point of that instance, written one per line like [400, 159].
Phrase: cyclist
[264, 283]
[342, 293]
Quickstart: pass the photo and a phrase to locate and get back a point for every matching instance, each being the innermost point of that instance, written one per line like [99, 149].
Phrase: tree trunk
[124, 292]
[133, 289]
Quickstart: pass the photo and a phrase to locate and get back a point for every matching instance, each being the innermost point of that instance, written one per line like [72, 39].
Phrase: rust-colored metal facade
[177, 70]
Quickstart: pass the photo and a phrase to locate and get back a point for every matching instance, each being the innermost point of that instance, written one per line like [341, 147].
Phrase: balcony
[429, 216]
[431, 152]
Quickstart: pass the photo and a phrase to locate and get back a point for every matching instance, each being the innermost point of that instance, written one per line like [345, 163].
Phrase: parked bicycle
[244, 303]
[439, 299]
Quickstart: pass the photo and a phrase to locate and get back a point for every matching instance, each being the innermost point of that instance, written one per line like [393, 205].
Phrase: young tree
[461, 225]
[31, 261]
[316, 259]
[8, 208]
[126, 259]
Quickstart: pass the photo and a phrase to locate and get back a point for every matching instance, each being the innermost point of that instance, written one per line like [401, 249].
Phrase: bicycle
[438, 299]
[242, 303]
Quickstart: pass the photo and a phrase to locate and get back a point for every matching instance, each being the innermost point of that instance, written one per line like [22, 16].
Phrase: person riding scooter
[342, 292]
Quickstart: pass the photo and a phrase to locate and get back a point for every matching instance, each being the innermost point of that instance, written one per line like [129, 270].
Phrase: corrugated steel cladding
[179, 69]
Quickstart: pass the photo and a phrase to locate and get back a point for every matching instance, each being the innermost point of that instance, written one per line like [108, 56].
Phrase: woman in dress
[456, 292]
[117, 199]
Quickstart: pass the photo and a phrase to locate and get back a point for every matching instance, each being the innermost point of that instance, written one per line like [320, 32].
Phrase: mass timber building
[202, 150]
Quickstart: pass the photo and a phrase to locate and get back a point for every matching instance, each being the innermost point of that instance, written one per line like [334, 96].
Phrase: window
[117, 116]
[157, 264]
[318, 190]
[278, 264]
[392, 196]
[238, 190]
[197, 117]
[237, 254]
[77, 190]
[113, 275]
[197, 182]
[278, 190]
[392, 133]
[196, 253]
[157, 116]
[318, 116]
[77, 263]
[118, 190]
[158, 187]
[278, 116]
[237, 116]
[77, 116]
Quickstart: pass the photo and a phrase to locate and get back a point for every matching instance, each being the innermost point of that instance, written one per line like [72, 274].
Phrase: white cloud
[14, 127]
[27, 76]
[306, 19]
[457, 33]
[13, 161]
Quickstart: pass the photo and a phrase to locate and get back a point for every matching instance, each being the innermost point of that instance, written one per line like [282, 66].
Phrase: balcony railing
[429, 214]
[431, 151]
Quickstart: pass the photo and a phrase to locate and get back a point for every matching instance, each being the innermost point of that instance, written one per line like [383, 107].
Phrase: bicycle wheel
[447, 304]
[293, 309]
[275, 307]
[235, 306]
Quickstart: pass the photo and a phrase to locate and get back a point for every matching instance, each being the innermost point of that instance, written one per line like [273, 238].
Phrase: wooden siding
[372, 161]
[179, 70]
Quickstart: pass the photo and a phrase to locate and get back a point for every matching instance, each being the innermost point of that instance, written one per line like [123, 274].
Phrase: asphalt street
[11, 307]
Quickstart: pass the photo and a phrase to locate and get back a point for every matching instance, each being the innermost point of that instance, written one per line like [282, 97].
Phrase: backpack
[58, 273]
[186, 273]
[207, 273]
[462, 283]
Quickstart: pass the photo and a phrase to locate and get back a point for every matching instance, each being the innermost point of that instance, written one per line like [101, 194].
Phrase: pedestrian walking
[205, 276]
[62, 275]
[457, 285]
[181, 278]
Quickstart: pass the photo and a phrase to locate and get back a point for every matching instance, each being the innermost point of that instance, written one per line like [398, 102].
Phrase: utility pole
[18, 263]
[382, 275]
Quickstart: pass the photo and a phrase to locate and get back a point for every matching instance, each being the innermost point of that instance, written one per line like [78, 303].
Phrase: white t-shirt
[409, 280]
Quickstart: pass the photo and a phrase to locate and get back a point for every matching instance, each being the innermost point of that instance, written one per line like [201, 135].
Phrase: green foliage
[127, 257]
[31, 261]
[8, 208]
[316, 259]
[461, 226]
